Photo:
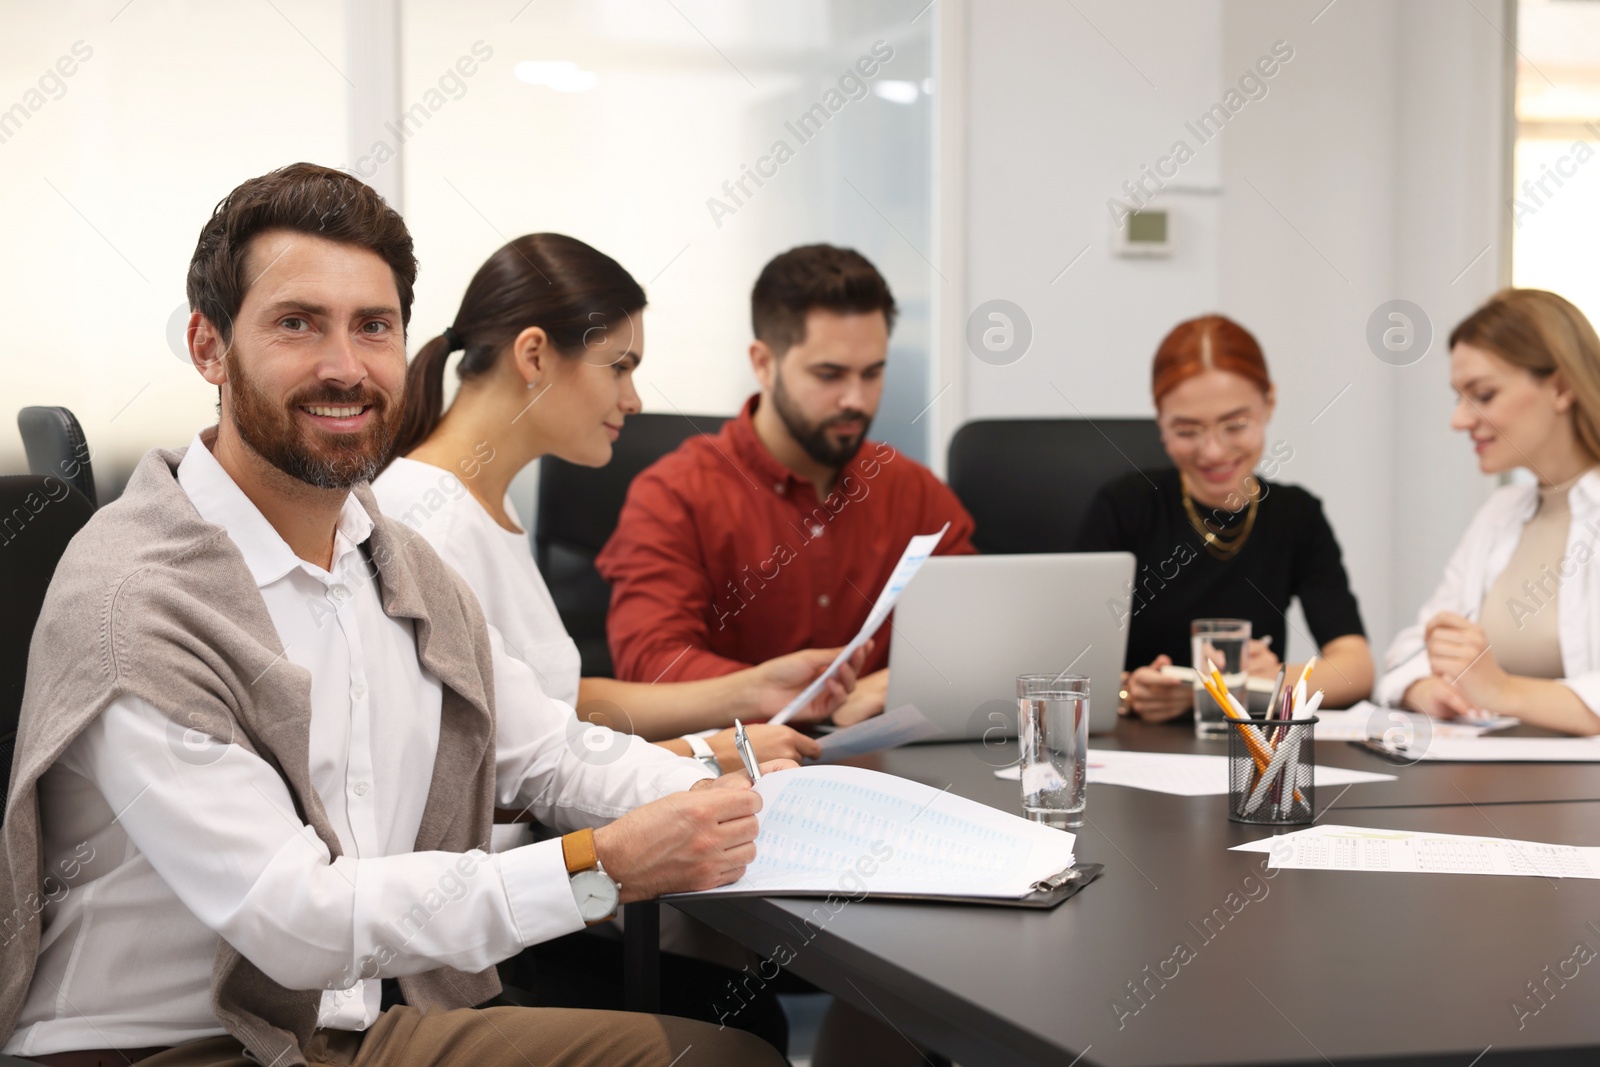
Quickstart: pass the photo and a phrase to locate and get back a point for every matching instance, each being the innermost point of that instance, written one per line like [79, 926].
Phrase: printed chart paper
[911, 561]
[1354, 848]
[852, 831]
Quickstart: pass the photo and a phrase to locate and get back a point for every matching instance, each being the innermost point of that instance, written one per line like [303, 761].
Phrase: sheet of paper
[1280, 841]
[1181, 774]
[1350, 848]
[1502, 749]
[892, 729]
[911, 561]
[1367, 720]
[853, 832]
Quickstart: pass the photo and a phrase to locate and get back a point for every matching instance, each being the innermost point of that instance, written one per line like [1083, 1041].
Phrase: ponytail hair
[549, 280]
[424, 396]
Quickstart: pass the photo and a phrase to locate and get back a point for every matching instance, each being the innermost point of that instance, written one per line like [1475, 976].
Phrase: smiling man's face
[314, 379]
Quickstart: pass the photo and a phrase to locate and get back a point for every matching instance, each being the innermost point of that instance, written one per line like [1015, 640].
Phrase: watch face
[596, 895]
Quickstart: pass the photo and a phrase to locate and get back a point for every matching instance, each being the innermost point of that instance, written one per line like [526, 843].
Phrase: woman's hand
[1460, 655]
[1156, 698]
[1437, 698]
[781, 679]
[769, 742]
[1260, 661]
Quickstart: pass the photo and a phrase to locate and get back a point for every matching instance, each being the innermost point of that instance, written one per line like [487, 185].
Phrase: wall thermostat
[1146, 232]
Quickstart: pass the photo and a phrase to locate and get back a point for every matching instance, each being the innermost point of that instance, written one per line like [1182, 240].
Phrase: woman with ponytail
[1514, 627]
[551, 331]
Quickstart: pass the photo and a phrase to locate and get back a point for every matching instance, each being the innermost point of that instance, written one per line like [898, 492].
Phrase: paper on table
[1181, 774]
[1503, 750]
[911, 561]
[854, 832]
[1367, 720]
[1353, 848]
[901, 726]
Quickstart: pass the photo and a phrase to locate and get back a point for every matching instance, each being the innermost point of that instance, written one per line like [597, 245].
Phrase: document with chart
[911, 560]
[855, 832]
[1355, 848]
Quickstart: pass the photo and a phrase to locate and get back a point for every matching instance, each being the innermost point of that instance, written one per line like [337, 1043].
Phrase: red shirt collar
[752, 453]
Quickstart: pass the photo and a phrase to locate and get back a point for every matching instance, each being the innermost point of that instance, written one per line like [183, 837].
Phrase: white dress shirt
[1483, 553]
[496, 562]
[176, 838]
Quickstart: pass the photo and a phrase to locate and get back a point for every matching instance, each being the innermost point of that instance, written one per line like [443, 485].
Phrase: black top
[1291, 552]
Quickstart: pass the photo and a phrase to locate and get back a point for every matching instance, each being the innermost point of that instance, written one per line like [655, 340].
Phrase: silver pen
[747, 753]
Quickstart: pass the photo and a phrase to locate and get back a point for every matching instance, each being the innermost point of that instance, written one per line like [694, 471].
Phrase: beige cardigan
[151, 601]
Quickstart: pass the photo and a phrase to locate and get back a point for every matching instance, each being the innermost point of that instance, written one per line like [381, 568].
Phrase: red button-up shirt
[723, 557]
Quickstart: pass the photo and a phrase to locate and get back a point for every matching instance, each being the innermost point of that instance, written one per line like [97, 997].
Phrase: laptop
[966, 626]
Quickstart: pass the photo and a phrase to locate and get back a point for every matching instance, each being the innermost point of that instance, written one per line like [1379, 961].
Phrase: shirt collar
[1585, 496]
[753, 453]
[747, 445]
[220, 501]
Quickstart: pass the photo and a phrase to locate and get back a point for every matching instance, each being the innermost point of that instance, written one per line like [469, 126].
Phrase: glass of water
[1225, 645]
[1053, 731]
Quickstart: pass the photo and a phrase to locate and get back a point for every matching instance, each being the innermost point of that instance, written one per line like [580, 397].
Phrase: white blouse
[1479, 559]
[497, 563]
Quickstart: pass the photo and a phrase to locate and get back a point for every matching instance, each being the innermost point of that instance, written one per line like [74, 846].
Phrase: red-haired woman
[1214, 540]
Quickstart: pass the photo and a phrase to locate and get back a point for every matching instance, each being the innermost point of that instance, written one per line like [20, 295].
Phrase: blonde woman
[1514, 627]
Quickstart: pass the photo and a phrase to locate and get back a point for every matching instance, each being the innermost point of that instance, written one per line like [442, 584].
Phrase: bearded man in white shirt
[265, 729]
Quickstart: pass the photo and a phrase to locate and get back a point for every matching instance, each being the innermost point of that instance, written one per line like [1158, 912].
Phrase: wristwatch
[597, 895]
[702, 752]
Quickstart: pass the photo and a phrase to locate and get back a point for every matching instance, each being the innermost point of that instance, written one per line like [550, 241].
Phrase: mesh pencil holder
[1271, 771]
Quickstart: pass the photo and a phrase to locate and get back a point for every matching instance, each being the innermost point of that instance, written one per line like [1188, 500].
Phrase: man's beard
[323, 460]
[813, 437]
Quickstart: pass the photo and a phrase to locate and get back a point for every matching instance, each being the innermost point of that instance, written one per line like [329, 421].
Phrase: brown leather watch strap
[577, 848]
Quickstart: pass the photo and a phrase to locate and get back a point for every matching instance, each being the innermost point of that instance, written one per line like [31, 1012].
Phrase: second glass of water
[1225, 645]
[1053, 732]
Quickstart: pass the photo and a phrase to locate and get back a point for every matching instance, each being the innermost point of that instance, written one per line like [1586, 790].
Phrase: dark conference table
[1302, 967]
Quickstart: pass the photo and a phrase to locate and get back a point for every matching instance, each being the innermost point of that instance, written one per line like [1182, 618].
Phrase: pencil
[1259, 750]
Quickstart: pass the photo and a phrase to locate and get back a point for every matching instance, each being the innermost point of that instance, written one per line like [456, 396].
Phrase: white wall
[1057, 121]
[104, 189]
[1370, 170]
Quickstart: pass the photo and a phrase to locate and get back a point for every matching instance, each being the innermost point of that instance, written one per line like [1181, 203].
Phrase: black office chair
[56, 446]
[578, 509]
[1028, 483]
[38, 516]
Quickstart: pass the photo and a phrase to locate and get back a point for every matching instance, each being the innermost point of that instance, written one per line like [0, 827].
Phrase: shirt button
[358, 691]
[359, 789]
[816, 531]
[339, 593]
[823, 600]
[777, 487]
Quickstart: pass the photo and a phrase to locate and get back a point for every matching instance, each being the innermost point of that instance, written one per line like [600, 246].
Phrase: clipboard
[1047, 893]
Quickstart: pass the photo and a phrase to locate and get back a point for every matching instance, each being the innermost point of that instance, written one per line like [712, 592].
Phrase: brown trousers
[506, 1037]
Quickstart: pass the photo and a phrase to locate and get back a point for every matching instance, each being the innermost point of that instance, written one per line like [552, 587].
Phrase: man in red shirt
[778, 532]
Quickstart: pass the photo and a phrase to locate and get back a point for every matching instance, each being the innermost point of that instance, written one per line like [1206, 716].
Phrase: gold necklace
[1224, 545]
